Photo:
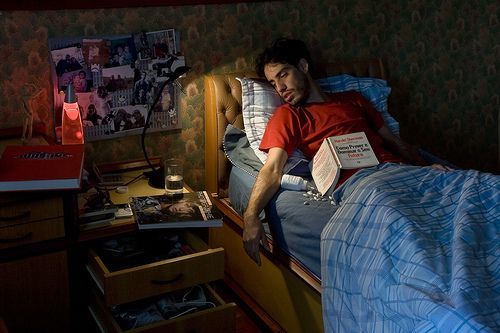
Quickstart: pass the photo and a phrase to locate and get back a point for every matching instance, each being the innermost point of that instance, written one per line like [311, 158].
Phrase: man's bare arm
[410, 153]
[405, 150]
[266, 185]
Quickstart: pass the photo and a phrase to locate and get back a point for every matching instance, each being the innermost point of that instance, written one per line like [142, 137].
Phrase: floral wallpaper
[442, 59]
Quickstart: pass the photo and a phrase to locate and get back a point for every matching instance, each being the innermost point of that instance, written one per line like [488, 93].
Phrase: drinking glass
[174, 180]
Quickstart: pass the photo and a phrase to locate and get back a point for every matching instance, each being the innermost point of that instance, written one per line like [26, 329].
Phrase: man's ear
[303, 66]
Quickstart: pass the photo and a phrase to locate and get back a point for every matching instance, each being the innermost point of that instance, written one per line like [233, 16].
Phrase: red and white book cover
[52, 167]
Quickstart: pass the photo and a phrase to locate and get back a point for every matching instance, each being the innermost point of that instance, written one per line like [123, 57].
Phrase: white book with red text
[349, 151]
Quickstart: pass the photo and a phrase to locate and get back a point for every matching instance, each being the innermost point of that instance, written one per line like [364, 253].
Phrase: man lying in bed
[307, 117]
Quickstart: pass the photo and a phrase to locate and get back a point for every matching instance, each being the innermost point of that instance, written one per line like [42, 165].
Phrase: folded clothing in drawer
[129, 251]
[169, 306]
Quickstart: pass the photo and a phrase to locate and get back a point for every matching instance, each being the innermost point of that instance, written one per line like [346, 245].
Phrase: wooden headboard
[223, 107]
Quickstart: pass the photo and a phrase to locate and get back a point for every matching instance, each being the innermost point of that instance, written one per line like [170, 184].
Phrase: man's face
[181, 207]
[290, 82]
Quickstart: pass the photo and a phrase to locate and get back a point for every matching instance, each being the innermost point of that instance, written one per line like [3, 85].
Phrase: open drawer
[220, 318]
[145, 280]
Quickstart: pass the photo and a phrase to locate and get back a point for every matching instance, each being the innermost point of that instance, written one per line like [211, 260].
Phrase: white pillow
[259, 100]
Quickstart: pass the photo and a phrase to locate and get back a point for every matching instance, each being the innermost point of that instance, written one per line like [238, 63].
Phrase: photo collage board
[116, 80]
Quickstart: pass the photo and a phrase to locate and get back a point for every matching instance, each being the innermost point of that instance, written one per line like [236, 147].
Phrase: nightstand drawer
[133, 283]
[217, 319]
[25, 233]
[29, 210]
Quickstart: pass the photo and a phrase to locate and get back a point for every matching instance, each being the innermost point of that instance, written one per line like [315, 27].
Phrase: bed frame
[283, 293]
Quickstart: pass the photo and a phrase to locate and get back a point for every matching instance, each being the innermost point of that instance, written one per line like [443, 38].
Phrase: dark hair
[282, 51]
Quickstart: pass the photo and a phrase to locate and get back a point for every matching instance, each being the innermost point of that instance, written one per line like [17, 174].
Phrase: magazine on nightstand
[185, 210]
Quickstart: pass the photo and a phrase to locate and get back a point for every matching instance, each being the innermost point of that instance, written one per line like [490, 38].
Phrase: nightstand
[116, 284]
[33, 262]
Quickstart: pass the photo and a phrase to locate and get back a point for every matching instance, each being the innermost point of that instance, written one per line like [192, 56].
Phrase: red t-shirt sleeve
[281, 130]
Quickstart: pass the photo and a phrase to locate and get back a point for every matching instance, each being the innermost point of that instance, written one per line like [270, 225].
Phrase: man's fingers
[265, 242]
[441, 167]
[252, 250]
[256, 258]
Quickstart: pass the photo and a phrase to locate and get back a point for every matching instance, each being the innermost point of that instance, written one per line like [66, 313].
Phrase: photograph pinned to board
[116, 79]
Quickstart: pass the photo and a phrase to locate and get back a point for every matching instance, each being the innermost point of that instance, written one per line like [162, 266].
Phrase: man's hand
[266, 185]
[253, 236]
[411, 154]
[405, 150]
[441, 167]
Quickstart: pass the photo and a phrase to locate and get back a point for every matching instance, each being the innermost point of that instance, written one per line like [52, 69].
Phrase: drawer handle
[17, 239]
[16, 217]
[175, 279]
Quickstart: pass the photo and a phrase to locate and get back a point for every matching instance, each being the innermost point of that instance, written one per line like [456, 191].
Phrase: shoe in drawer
[196, 309]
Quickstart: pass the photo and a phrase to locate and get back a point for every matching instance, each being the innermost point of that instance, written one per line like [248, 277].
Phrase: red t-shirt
[305, 127]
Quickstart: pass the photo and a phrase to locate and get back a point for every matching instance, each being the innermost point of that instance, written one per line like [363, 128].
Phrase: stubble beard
[304, 91]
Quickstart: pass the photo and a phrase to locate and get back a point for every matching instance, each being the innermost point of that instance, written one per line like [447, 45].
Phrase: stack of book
[90, 218]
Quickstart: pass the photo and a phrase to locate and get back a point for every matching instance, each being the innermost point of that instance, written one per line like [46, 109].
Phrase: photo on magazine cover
[192, 209]
[118, 78]
[165, 209]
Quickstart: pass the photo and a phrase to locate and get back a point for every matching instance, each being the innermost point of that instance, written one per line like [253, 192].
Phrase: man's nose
[280, 86]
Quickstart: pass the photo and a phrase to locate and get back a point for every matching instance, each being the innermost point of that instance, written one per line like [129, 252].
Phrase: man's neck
[315, 94]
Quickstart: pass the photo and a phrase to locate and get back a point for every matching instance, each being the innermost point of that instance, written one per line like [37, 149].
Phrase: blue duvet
[413, 249]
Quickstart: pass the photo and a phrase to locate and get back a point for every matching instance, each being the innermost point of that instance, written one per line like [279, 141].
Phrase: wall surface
[442, 58]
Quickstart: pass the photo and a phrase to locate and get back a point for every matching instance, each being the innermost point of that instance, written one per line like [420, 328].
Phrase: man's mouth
[287, 96]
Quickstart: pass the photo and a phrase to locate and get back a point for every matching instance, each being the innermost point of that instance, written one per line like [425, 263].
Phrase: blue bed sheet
[413, 249]
[293, 221]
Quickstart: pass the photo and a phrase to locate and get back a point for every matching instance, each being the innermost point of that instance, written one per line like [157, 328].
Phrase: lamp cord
[146, 125]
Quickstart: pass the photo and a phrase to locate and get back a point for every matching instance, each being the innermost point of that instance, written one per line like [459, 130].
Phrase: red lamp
[72, 129]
